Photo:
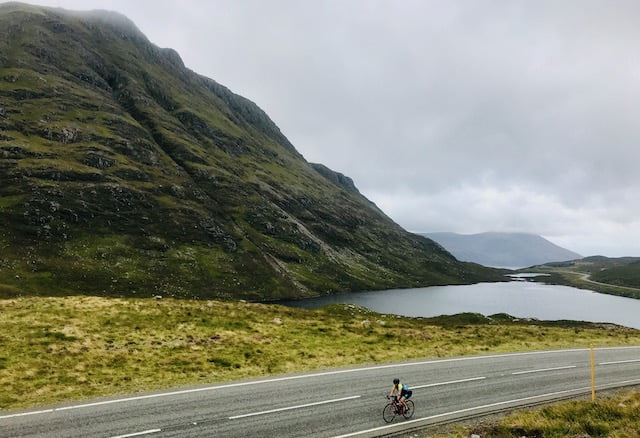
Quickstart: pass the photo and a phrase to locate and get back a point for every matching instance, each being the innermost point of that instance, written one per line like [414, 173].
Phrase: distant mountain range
[503, 250]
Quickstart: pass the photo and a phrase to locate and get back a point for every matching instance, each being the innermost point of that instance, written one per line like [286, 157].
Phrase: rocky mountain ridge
[122, 172]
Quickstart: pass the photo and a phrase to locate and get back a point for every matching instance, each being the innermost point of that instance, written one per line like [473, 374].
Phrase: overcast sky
[463, 116]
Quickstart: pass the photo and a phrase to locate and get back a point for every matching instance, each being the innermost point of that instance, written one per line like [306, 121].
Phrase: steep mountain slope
[514, 250]
[124, 173]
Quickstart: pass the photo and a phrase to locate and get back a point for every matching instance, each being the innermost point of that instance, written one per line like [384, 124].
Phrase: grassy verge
[617, 416]
[61, 348]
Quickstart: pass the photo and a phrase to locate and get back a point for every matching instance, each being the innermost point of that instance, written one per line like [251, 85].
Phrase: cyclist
[401, 391]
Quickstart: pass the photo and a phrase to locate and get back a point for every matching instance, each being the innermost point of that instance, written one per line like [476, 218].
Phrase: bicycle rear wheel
[408, 413]
[388, 413]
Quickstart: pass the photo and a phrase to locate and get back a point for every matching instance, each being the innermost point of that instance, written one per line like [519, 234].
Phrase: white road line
[306, 376]
[447, 383]
[144, 432]
[619, 361]
[543, 370]
[24, 414]
[461, 411]
[294, 407]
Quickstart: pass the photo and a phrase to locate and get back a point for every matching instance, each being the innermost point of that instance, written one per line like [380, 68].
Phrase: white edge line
[328, 373]
[619, 361]
[288, 408]
[543, 370]
[24, 414]
[144, 432]
[447, 383]
[432, 417]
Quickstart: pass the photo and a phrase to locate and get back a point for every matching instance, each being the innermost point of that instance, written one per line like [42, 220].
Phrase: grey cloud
[450, 115]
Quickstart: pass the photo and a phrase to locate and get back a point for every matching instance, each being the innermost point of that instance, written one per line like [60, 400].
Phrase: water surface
[522, 299]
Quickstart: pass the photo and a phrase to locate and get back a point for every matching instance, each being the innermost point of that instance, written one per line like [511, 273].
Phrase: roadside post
[593, 375]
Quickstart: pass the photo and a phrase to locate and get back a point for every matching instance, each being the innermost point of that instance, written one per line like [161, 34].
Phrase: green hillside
[628, 275]
[616, 276]
[122, 172]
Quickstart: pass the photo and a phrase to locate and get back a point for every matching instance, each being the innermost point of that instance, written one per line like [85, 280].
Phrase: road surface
[336, 403]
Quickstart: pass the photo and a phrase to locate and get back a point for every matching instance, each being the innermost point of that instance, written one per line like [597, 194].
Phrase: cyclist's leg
[403, 397]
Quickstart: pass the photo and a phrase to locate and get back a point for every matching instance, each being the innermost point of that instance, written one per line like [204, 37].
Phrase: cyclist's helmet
[396, 381]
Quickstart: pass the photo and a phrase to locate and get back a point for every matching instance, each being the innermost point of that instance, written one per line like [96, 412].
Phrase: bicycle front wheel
[388, 413]
[408, 413]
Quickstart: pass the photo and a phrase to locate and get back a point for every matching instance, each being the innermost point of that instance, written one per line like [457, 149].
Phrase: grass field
[615, 416]
[68, 348]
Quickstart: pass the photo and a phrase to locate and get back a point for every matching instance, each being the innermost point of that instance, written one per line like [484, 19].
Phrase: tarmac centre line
[288, 408]
[619, 361]
[543, 370]
[447, 383]
[144, 432]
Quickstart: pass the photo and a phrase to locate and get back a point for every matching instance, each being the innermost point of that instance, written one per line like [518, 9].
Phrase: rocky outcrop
[337, 178]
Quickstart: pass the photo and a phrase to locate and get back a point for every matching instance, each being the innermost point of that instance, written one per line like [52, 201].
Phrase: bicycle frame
[395, 407]
[398, 408]
[397, 404]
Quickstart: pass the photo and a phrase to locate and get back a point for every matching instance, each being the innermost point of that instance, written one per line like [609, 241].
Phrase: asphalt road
[336, 403]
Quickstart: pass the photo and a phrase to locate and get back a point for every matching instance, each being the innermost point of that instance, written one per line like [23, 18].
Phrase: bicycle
[396, 408]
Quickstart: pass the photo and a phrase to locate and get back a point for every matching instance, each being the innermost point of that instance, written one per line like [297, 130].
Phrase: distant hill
[621, 271]
[122, 172]
[617, 276]
[505, 250]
